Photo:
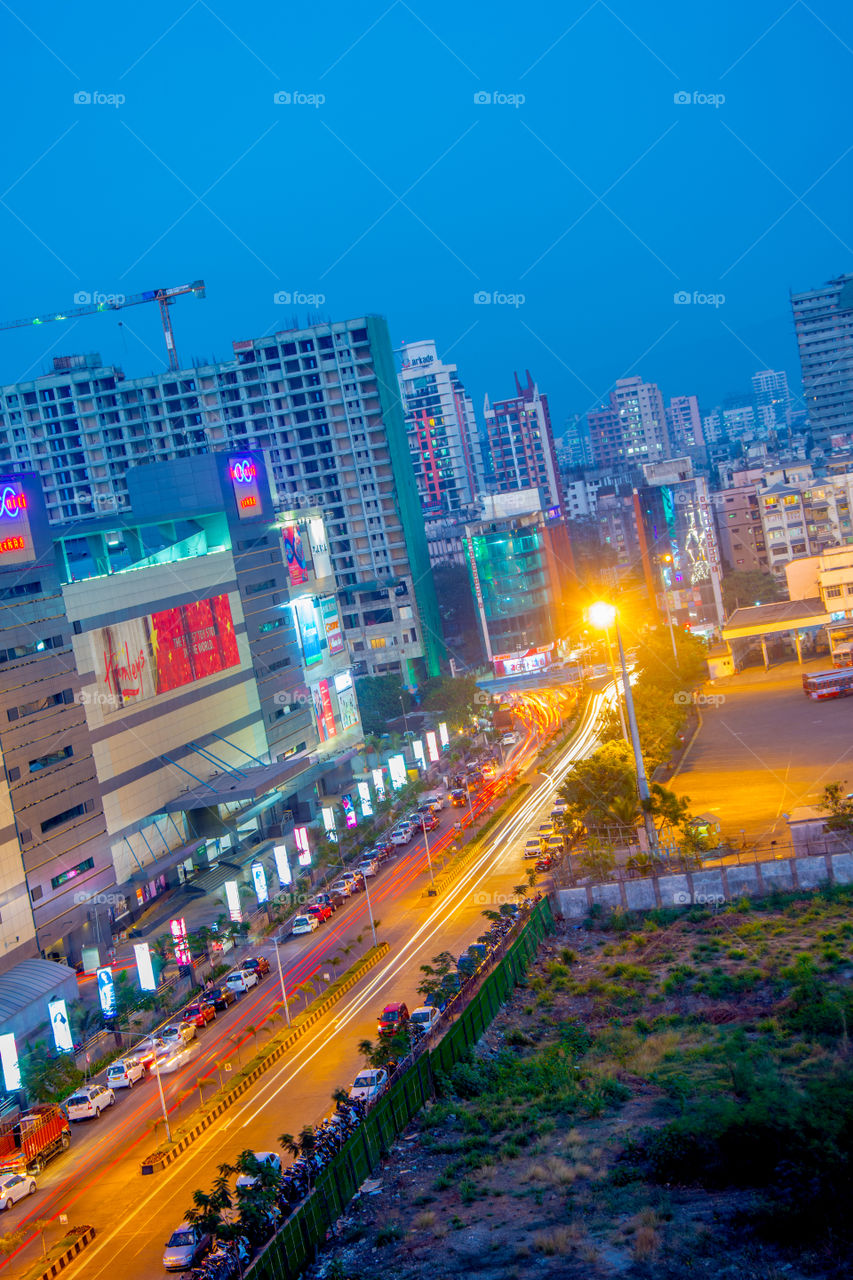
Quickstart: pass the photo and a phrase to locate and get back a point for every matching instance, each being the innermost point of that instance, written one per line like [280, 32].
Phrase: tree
[598, 858]
[744, 587]
[48, 1077]
[379, 701]
[455, 697]
[840, 806]
[600, 790]
[257, 1203]
[207, 1212]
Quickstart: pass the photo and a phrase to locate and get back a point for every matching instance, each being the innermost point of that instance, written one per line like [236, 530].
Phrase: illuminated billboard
[294, 554]
[144, 967]
[244, 481]
[379, 785]
[282, 865]
[259, 879]
[157, 653]
[179, 938]
[322, 699]
[432, 745]
[16, 539]
[364, 797]
[300, 835]
[418, 748]
[332, 624]
[107, 993]
[349, 811]
[397, 769]
[57, 1011]
[11, 1066]
[232, 897]
[329, 824]
[443, 736]
[309, 632]
[347, 699]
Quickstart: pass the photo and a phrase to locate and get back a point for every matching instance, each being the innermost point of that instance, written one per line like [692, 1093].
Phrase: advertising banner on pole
[11, 1066]
[364, 797]
[61, 1027]
[107, 993]
[282, 865]
[379, 785]
[144, 967]
[259, 879]
[232, 897]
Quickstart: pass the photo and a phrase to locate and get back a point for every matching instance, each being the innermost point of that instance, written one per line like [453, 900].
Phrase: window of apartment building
[65, 876]
[53, 757]
[40, 704]
[67, 815]
[832, 593]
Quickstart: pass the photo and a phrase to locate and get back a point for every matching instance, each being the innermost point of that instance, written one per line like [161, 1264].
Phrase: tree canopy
[379, 701]
[744, 587]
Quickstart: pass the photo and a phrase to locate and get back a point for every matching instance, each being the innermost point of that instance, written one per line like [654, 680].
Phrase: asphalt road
[98, 1182]
[764, 748]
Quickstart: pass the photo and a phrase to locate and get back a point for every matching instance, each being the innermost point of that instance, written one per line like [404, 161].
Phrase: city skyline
[320, 199]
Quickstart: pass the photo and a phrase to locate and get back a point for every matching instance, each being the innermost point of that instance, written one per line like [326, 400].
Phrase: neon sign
[16, 548]
[243, 471]
[12, 503]
[12, 544]
[244, 480]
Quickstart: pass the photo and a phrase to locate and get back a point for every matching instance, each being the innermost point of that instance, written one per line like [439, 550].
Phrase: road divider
[263, 1060]
[85, 1236]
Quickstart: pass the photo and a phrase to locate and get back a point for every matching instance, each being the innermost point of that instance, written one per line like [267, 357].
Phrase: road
[98, 1182]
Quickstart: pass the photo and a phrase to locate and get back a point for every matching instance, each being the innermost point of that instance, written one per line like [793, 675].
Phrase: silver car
[184, 1247]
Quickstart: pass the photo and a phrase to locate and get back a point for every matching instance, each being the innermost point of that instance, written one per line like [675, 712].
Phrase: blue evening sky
[580, 212]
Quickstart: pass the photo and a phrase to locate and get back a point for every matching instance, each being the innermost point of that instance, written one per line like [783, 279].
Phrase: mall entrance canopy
[801, 620]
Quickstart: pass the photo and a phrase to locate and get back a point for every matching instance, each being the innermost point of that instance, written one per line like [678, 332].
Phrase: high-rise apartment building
[685, 424]
[520, 450]
[321, 402]
[443, 437]
[631, 427]
[823, 320]
[772, 397]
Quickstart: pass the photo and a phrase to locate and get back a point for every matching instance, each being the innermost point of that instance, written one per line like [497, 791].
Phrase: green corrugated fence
[295, 1245]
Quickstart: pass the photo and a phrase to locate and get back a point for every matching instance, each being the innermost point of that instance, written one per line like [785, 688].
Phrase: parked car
[241, 980]
[333, 899]
[401, 835]
[14, 1186]
[458, 798]
[319, 912]
[383, 845]
[508, 740]
[200, 1012]
[424, 1019]
[355, 878]
[544, 863]
[368, 1085]
[532, 849]
[438, 1001]
[260, 964]
[178, 1033]
[125, 1073]
[305, 924]
[89, 1102]
[184, 1247]
[220, 996]
[263, 1157]
[368, 867]
[343, 887]
[394, 1017]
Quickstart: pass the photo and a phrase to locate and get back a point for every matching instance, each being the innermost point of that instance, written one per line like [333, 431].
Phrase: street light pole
[642, 780]
[281, 980]
[370, 910]
[668, 560]
[616, 682]
[429, 860]
[156, 1065]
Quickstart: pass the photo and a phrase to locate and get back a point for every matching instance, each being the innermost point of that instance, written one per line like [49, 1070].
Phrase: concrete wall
[714, 886]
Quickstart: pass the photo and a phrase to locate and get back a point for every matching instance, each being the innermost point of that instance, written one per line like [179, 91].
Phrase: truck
[28, 1141]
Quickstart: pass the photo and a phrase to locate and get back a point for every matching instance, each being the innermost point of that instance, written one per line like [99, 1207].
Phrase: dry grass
[558, 1240]
[646, 1242]
[556, 1172]
[424, 1220]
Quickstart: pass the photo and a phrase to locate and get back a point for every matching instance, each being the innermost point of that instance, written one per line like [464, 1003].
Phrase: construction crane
[114, 302]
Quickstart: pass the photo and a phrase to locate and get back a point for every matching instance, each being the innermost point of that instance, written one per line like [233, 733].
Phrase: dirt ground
[524, 1167]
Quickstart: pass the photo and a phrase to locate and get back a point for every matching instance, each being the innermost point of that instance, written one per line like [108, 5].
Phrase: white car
[263, 1157]
[343, 887]
[401, 835]
[353, 879]
[178, 1033]
[369, 1084]
[241, 980]
[305, 924]
[89, 1102]
[125, 1073]
[14, 1186]
[368, 867]
[424, 1019]
[509, 740]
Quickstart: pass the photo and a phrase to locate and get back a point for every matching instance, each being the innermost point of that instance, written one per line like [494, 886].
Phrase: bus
[828, 684]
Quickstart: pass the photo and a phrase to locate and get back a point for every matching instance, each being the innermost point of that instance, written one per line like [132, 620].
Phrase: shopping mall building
[176, 693]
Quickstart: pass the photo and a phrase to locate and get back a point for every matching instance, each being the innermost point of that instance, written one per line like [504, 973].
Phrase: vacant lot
[666, 1097]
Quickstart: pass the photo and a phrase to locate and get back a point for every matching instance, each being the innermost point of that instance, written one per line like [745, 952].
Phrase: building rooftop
[27, 982]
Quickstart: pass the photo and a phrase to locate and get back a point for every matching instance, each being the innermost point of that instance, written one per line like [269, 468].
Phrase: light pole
[603, 615]
[616, 682]
[370, 910]
[405, 723]
[667, 559]
[281, 980]
[156, 1065]
[429, 860]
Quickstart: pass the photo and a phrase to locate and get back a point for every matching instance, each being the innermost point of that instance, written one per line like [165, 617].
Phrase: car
[532, 849]
[393, 1018]
[319, 912]
[333, 899]
[220, 996]
[241, 980]
[355, 878]
[150, 1049]
[424, 1019]
[458, 798]
[14, 1186]
[368, 867]
[259, 964]
[508, 740]
[368, 1084]
[544, 863]
[124, 1073]
[304, 924]
[380, 853]
[200, 1012]
[401, 835]
[343, 887]
[184, 1247]
[438, 1001]
[89, 1102]
[427, 820]
[383, 845]
[178, 1033]
[263, 1157]
[489, 768]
